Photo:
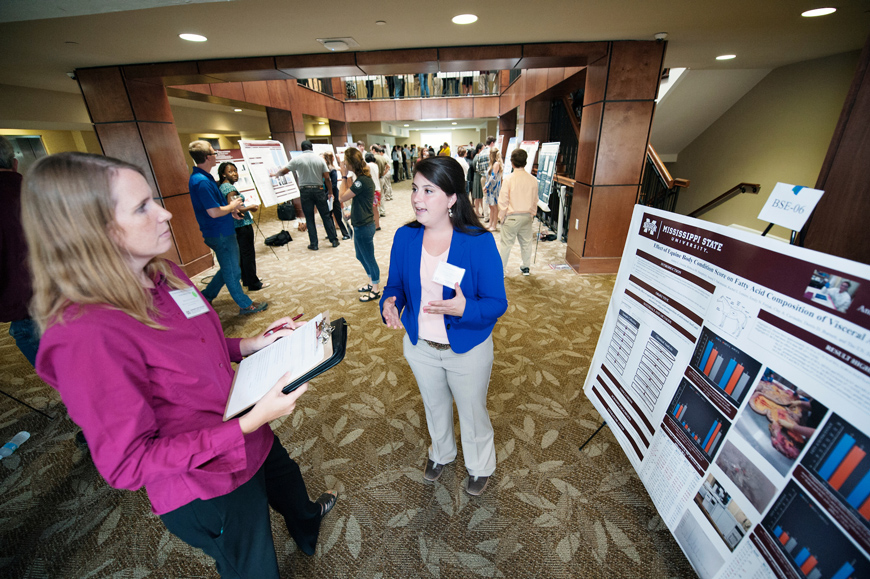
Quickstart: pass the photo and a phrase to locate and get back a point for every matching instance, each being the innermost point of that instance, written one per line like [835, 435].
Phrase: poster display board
[245, 184]
[530, 147]
[262, 158]
[734, 370]
[546, 172]
[506, 155]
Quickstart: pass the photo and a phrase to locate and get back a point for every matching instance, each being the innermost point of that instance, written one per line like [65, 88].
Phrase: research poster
[245, 184]
[734, 370]
[546, 172]
[530, 147]
[262, 158]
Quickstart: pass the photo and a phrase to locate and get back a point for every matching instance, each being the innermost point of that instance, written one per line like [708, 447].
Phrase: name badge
[448, 274]
[189, 301]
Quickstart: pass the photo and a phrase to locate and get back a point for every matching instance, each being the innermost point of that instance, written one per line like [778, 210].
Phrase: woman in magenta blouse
[141, 363]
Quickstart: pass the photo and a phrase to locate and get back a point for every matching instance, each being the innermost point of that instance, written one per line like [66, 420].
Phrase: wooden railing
[736, 190]
[658, 189]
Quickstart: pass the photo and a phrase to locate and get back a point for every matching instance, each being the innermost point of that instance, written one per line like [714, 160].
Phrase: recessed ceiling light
[726, 57]
[818, 12]
[407, 125]
[452, 123]
[336, 45]
[237, 110]
[464, 19]
[193, 37]
[321, 123]
[381, 22]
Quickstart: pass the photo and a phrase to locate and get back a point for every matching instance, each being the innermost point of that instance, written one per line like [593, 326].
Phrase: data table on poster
[655, 366]
[622, 340]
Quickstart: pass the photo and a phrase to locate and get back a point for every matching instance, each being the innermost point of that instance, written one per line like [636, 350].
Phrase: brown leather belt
[437, 346]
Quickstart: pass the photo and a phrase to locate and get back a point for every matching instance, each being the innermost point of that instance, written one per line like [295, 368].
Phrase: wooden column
[507, 126]
[837, 226]
[617, 117]
[281, 125]
[339, 130]
[133, 121]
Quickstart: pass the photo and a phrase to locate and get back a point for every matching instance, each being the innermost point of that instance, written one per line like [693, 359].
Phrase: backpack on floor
[279, 239]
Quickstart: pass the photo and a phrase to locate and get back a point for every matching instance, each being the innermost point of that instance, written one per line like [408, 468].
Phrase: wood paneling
[555, 76]
[622, 146]
[168, 73]
[319, 65]
[383, 110]
[537, 112]
[198, 265]
[609, 217]
[357, 112]
[587, 144]
[635, 70]
[257, 92]
[278, 95]
[563, 54]
[421, 60]
[288, 139]
[596, 81]
[229, 90]
[122, 141]
[105, 94]
[280, 121]
[197, 88]
[149, 102]
[485, 107]
[166, 157]
[242, 69]
[460, 108]
[185, 231]
[433, 108]
[579, 218]
[462, 58]
[409, 109]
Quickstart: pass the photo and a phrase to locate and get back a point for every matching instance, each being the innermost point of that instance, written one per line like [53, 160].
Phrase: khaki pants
[517, 226]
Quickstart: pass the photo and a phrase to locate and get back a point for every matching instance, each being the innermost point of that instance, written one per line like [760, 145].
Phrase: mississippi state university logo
[649, 227]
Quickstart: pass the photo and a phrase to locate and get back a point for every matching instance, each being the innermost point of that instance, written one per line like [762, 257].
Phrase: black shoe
[336, 243]
[313, 247]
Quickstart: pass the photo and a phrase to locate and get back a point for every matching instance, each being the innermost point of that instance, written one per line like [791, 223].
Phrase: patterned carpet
[550, 510]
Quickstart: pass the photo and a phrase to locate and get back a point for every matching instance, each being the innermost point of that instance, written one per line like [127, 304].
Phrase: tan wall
[61, 141]
[778, 132]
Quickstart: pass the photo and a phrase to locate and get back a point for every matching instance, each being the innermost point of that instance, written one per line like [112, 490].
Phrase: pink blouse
[431, 326]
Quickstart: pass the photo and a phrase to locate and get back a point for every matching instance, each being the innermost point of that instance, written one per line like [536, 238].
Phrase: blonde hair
[199, 151]
[494, 156]
[68, 213]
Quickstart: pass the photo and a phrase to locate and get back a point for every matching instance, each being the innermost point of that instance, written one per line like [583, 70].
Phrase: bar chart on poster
[741, 401]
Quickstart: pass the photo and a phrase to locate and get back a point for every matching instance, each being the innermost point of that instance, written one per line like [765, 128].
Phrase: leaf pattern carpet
[550, 510]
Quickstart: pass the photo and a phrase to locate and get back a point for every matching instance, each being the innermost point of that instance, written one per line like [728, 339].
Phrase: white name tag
[189, 302]
[448, 274]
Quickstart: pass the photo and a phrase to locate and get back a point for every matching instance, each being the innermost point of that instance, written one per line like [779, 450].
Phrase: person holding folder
[446, 287]
[141, 363]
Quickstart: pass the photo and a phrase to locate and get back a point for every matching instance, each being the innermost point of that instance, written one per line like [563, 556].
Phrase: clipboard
[322, 346]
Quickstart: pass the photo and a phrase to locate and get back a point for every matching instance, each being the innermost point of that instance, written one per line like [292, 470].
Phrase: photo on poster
[833, 291]
[746, 476]
[699, 549]
[779, 420]
[838, 459]
[813, 545]
[724, 366]
[723, 512]
[700, 421]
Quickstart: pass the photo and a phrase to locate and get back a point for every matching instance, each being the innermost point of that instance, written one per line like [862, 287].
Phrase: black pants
[397, 175]
[248, 257]
[370, 89]
[311, 197]
[234, 529]
[336, 212]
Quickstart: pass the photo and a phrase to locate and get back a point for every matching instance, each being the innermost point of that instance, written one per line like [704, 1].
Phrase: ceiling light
[237, 110]
[726, 57]
[452, 123]
[464, 19]
[818, 12]
[193, 37]
[381, 22]
[336, 45]
[407, 125]
[321, 123]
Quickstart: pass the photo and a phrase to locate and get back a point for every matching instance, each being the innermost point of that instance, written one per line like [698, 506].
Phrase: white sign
[245, 184]
[263, 158]
[530, 147]
[742, 399]
[790, 206]
[546, 172]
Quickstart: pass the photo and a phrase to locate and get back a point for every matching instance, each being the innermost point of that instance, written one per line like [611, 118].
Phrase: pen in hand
[281, 327]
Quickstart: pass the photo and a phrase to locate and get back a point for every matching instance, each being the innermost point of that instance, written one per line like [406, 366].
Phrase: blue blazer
[482, 285]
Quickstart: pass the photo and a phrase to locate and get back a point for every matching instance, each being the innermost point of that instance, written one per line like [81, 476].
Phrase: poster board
[741, 399]
[546, 173]
[262, 158]
[245, 184]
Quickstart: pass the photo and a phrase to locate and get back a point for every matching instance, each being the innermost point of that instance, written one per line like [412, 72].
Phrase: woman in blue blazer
[448, 340]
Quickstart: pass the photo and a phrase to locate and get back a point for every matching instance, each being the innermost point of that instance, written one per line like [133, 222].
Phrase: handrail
[753, 188]
[670, 182]
[567, 181]
[575, 124]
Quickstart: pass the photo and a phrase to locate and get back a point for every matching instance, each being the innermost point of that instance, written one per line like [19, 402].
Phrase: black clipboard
[336, 334]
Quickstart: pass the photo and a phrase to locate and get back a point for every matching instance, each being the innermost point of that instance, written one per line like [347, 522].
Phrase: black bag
[279, 239]
[286, 211]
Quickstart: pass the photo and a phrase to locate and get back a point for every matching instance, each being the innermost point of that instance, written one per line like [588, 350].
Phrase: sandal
[326, 501]
[370, 296]
[365, 288]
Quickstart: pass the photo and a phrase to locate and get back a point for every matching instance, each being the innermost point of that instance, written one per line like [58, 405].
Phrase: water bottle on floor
[13, 444]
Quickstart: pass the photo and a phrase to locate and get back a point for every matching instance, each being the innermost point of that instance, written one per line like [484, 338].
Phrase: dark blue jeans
[363, 243]
[226, 249]
[26, 336]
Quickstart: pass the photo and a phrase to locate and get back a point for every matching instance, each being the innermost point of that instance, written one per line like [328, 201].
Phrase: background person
[337, 214]
[357, 184]
[158, 371]
[448, 339]
[517, 207]
[228, 175]
[493, 186]
[217, 223]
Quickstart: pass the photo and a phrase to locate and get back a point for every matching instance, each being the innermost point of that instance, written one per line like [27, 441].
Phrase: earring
[449, 212]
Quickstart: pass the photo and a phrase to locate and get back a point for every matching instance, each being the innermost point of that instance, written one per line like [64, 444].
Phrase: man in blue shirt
[216, 221]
